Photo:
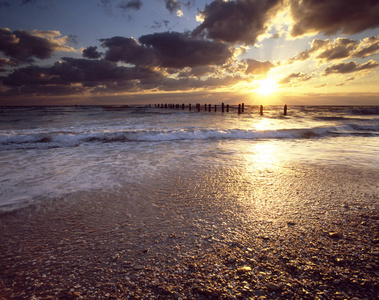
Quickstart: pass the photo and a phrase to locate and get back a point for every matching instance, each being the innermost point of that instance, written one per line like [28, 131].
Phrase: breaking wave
[70, 138]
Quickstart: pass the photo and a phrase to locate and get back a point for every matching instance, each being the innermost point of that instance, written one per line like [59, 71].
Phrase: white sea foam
[24, 140]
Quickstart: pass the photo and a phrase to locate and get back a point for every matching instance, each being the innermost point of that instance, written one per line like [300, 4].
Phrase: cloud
[172, 5]
[128, 50]
[91, 52]
[175, 6]
[340, 48]
[196, 71]
[30, 76]
[257, 67]
[178, 50]
[23, 46]
[4, 4]
[167, 49]
[159, 24]
[350, 67]
[84, 73]
[236, 21]
[7, 62]
[131, 4]
[294, 77]
[368, 46]
[123, 5]
[169, 84]
[330, 17]
[84, 76]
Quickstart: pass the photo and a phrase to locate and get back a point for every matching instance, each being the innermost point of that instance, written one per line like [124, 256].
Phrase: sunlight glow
[262, 125]
[267, 86]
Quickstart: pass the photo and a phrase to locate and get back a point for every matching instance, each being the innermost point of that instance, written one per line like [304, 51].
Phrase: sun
[266, 86]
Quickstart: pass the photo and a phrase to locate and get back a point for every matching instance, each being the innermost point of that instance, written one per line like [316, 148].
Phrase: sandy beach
[292, 232]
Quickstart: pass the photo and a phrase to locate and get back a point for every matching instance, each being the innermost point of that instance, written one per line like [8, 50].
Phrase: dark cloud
[257, 67]
[77, 76]
[120, 5]
[84, 73]
[330, 17]
[172, 5]
[350, 67]
[236, 21]
[128, 50]
[131, 4]
[340, 48]
[175, 5]
[7, 62]
[178, 50]
[95, 72]
[294, 77]
[24, 46]
[91, 52]
[368, 46]
[195, 72]
[167, 49]
[28, 76]
[159, 24]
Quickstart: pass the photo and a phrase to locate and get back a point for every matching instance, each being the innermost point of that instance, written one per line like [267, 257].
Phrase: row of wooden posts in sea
[208, 107]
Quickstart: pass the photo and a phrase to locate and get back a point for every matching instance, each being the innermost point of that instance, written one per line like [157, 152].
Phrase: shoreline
[295, 232]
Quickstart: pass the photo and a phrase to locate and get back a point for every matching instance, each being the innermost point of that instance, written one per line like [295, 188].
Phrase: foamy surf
[50, 153]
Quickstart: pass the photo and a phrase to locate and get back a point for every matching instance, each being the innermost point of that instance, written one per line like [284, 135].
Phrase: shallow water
[53, 152]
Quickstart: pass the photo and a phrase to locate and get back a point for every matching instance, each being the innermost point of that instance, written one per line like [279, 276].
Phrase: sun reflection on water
[261, 125]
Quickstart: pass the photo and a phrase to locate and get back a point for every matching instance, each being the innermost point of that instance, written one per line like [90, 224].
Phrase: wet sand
[288, 232]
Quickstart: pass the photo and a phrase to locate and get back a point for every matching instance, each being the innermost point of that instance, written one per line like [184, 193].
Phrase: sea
[50, 153]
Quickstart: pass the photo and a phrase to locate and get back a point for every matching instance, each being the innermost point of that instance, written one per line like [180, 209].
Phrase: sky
[260, 52]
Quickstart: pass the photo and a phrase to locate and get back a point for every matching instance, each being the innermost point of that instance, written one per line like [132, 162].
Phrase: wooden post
[205, 107]
[222, 107]
[198, 107]
[189, 107]
[261, 110]
[239, 109]
[215, 107]
[227, 108]
[209, 107]
[165, 106]
[285, 109]
[243, 107]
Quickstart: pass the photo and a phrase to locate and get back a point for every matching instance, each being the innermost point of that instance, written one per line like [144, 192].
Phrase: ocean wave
[71, 138]
[369, 110]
